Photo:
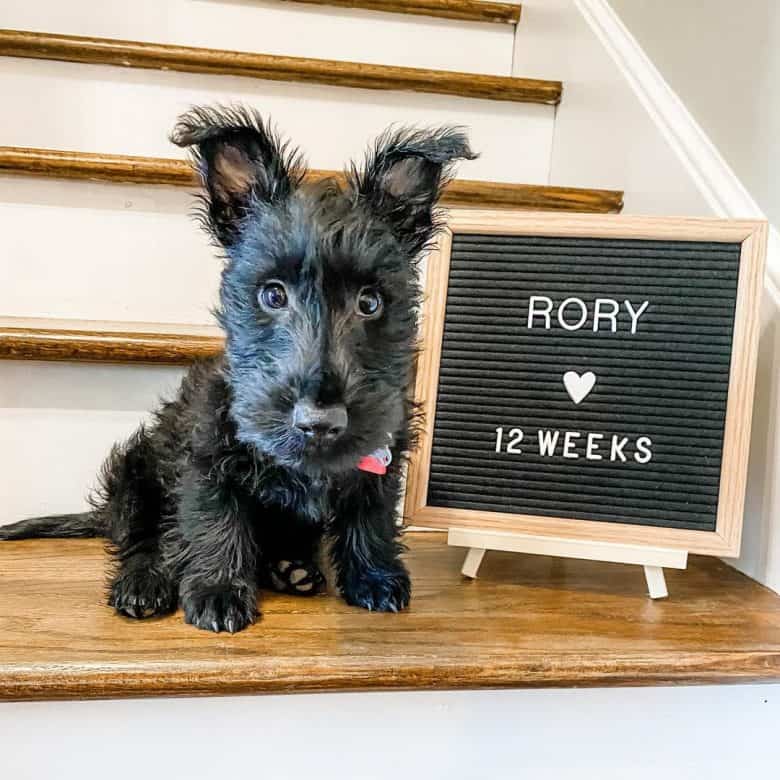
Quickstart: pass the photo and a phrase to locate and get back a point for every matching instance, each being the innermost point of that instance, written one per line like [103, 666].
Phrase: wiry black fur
[221, 493]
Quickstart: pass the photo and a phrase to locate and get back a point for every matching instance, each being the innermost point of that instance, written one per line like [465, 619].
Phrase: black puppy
[284, 438]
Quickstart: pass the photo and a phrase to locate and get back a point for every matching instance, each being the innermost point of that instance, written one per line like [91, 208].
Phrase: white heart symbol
[578, 387]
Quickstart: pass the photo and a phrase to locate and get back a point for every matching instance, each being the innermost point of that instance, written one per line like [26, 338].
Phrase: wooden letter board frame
[556, 535]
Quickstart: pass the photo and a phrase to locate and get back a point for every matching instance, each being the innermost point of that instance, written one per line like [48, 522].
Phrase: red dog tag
[377, 462]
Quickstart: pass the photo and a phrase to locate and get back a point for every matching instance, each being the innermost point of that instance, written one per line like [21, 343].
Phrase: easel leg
[473, 559]
[656, 583]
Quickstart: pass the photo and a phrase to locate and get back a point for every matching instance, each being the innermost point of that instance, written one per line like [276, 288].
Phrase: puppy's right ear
[241, 162]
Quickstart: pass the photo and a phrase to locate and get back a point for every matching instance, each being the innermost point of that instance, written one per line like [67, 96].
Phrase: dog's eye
[369, 303]
[273, 295]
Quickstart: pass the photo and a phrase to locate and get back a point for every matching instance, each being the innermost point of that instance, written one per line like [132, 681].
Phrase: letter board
[589, 376]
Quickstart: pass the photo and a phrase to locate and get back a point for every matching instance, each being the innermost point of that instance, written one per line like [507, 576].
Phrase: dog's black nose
[325, 423]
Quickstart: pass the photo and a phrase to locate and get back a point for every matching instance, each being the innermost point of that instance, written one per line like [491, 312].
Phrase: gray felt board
[636, 395]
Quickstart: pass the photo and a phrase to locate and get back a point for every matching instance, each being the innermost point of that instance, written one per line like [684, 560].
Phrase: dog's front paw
[378, 590]
[221, 608]
[139, 593]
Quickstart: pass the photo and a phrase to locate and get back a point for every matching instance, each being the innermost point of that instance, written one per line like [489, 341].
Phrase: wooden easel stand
[652, 559]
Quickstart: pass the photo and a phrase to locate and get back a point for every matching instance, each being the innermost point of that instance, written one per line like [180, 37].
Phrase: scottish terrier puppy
[297, 431]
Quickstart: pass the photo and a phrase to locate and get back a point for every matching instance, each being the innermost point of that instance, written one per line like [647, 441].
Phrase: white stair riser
[125, 111]
[102, 251]
[278, 28]
[58, 422]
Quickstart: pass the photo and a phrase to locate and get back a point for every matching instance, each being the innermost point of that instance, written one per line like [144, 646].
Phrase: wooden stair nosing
[179, 173]
[462, 10]
[528, 622]
[189, 59]
[106, 342]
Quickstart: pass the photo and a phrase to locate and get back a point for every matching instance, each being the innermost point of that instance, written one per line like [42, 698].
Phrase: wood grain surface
[528, 621]
[189, 59]
[466, 10]
[116, 168]
[41, 340]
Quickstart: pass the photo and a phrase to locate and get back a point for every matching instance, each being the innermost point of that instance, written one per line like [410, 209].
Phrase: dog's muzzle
[320, 424]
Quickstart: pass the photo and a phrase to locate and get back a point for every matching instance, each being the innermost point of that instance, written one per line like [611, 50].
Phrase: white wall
[718, 733]
[723, 59]
[603, 135]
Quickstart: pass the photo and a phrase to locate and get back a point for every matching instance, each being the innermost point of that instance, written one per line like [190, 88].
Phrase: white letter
[583, 309]
[617, 449]
[568, 444]
[547, 442]
[643, 444]
[590, 450]
[635, 315]
[544, 312]
[517, 436]
[610, 315]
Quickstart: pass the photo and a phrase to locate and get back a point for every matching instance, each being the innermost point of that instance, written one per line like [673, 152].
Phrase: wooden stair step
[527, 622]
[189, 59]
[179, 173]
[464, 10]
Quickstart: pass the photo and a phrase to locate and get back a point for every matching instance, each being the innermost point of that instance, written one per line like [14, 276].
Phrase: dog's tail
[83, 524]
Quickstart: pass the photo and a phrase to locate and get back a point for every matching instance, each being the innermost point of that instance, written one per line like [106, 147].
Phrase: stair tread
[189, 59]
[528, 621]
[167, 171]
[466, 10]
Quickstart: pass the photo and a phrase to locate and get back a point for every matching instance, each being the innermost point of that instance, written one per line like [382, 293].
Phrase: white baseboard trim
[711, 174]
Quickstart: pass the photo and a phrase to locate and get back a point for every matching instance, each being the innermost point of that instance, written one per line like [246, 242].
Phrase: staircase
[106, 282]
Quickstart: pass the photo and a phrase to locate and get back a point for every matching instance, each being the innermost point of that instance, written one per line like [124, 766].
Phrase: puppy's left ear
[403, 178]
[241, 162]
